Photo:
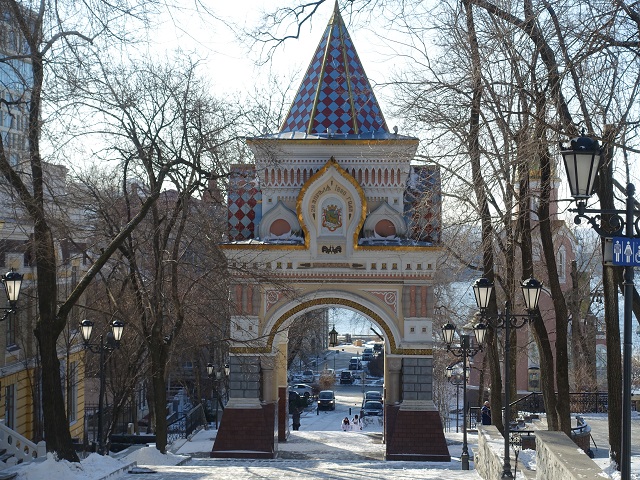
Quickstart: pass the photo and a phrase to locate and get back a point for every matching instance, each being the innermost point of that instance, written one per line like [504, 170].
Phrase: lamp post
[531, 289]
[108, 344]
[464, 351]
[333, 342]
[216, 375]
[457, 381]
[12, 282]
[582, 161]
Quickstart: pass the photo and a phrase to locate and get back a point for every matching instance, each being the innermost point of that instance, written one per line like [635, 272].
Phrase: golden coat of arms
[332, 217]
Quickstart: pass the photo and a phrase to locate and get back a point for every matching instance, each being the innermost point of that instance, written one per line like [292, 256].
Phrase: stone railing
[21, 449]
[556, 457]
[489, 458]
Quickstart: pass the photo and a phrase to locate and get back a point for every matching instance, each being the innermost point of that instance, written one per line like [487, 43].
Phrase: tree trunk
[614, 361]
[483, 208]
[559, 305]
[610, 278]
[539, 329]
[49, 324]
[159, 387]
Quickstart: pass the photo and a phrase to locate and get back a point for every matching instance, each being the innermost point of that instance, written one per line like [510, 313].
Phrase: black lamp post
[333, 342]
[464, 351]
[531, 289]
[216, 375]
[12, 281]
[456, 380]
[108, 344]
[582, 161]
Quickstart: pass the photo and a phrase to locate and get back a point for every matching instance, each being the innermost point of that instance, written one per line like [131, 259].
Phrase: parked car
[372, 395]
[355, 363]
[372, 408]
[307, 376]
[346, 378]
[302, 389]
[326, 400]
[367, 354]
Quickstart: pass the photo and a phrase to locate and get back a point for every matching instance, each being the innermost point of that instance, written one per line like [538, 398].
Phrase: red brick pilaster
[415, 435]
[246, 433]
[283, 414]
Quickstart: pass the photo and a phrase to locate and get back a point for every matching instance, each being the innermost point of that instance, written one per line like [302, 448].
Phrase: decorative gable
[331, 208]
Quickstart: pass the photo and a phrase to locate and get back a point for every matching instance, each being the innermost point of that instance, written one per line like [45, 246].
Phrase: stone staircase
[16, 449]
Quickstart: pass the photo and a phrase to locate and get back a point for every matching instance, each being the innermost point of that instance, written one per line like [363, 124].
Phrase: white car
[302, 389]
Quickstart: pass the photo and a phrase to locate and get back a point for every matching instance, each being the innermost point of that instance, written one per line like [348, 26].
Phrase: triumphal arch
[332, 213]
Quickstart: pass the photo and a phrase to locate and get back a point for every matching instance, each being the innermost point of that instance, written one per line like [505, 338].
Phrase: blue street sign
[626, 251]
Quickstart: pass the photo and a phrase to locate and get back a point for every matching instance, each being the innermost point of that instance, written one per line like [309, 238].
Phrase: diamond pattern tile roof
[335, 95]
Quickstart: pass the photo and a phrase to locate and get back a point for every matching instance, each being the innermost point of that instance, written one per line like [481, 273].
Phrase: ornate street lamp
[333, 337]
[464, 351]
[12, 282]
[582, 160]
[531, 290]
[216, 375]
[108, 344]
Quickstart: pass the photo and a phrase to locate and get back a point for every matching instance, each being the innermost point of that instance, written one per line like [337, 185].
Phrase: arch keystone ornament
[335, 216]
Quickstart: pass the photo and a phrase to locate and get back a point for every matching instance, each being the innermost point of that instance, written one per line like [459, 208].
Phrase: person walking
[346, 426]
[486, 414]
[357, 424]
[296, 418]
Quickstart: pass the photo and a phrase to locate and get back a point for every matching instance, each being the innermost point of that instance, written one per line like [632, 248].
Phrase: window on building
[12, 324]
[72, 392]
[562, 260]
[10, 406]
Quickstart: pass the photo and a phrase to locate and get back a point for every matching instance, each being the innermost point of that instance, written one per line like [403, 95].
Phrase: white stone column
[392, 370]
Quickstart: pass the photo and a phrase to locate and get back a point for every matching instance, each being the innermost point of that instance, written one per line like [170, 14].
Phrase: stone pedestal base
[247, 430]
[414, 432]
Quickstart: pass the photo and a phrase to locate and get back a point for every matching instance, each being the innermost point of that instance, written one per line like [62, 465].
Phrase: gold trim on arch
[394, 350]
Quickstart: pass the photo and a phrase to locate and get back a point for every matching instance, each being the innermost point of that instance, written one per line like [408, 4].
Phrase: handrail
[187, 423]
[20, 447]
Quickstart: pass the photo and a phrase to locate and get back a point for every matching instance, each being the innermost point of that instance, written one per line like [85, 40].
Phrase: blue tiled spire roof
[335, 95]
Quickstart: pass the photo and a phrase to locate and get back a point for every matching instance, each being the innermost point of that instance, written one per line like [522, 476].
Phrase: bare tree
[164, 131]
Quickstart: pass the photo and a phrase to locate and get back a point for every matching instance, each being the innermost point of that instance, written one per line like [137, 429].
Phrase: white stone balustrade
[20, 447]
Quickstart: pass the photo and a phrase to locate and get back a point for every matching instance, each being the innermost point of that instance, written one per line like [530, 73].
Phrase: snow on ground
[152, 456]
[319, 450]
[93, 467]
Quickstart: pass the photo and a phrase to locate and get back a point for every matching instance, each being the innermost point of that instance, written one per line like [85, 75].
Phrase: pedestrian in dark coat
[296, 418]
[486, 414]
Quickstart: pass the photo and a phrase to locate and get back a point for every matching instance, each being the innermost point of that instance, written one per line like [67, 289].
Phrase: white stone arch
[282, 317]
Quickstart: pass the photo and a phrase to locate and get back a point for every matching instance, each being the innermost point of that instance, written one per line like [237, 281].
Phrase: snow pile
[152, 456]
[93, 467]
